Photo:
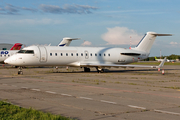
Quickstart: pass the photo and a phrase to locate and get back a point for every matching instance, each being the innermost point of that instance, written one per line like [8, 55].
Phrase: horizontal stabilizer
[66, 41]
[161, 34]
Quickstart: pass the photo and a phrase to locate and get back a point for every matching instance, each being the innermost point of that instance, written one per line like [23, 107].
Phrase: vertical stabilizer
[147, 41]
[16, 46]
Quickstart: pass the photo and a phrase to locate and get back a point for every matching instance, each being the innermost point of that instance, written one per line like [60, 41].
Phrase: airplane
[167, 60]
[6, 53]
[98, 57]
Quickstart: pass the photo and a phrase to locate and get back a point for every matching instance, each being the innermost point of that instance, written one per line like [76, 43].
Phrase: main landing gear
[99, 70]
[20, 72]
[86, 69]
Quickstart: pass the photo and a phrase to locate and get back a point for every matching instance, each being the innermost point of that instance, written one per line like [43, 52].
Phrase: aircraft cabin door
[43, 54]
[86, 54]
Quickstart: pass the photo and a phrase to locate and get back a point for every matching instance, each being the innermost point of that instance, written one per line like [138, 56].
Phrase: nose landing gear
[20, 72]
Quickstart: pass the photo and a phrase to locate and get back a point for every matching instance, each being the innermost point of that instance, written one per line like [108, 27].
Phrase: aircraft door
[86, 53]
[43, 54]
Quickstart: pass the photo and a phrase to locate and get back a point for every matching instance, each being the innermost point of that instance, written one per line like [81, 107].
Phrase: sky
[117, 23]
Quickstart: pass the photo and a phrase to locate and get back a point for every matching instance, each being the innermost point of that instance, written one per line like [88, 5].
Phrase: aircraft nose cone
[7, 61]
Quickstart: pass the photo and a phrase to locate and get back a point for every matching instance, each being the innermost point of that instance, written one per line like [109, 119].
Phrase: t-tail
[66, 41]
[147, 41]
[16, 46]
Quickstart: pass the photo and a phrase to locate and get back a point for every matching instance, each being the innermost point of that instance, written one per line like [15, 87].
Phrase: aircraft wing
[117, 65]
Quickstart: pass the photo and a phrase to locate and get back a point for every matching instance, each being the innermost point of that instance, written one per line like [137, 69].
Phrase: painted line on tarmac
[36, 89]
[4, 84]
[86, 98]
[24, 87]
[108, 102]
[137, 107]
[51, 92]
[128, 91]
[167, 112]
[66, 95]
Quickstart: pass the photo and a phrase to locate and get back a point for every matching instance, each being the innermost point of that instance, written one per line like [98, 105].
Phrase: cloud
[73, 9]
[14, 10]
[121, 36]
[173, 43]
[86, 43]
[31, 21]
[29, 9]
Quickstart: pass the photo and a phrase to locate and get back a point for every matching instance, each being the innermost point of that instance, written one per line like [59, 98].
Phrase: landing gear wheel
[86, 69]
[99, 70]
[20, 72]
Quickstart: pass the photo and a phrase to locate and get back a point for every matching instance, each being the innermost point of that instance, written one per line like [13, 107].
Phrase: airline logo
[4, 52]
[17, 48]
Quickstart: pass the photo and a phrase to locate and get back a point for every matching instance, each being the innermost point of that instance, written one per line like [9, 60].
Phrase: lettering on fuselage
[4, 52]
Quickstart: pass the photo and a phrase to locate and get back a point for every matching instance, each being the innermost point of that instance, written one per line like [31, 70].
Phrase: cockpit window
[22, 51]
[26, 51]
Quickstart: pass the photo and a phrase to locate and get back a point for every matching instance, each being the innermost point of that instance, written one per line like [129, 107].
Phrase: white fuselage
[75, 56]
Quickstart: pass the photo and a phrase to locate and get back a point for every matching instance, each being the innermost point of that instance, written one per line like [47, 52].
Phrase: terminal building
[5, 46]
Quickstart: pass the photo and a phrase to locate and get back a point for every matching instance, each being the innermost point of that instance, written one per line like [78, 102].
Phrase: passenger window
[71, 54]
[104, 54]
[55, 54]
[66, 54]
[61, 54]
[99, 54]
[50, 54]
[76, 54]
[91, 54]
[81, 54]
[108, 54]
[95, 54]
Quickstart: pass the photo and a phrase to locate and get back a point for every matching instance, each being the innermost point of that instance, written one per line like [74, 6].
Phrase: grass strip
[13, 112]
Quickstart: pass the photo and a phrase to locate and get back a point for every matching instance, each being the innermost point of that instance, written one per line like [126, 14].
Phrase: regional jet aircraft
[6, 53]
[98, 57]
[160, 60]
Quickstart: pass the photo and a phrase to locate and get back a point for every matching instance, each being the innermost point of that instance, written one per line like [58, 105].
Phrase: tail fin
[147, 41]
[16, 46]
[155, 57]
[67, 41]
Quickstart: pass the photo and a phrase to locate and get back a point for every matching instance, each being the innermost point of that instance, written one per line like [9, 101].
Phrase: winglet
[162, 63]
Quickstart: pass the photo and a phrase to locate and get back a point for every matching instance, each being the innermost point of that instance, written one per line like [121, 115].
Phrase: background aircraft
[98, 57]
[160, 60]
[7, 53]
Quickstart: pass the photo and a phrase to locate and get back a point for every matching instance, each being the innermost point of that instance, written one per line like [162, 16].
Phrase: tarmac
[117, 94]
